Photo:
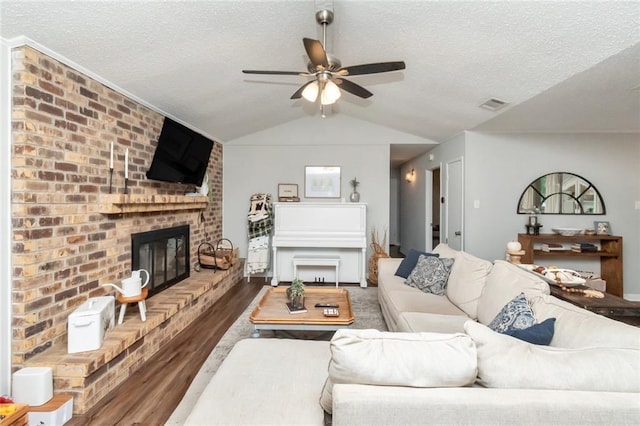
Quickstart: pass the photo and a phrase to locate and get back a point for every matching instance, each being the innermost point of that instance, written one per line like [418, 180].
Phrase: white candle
[126, 164]
[111, 157]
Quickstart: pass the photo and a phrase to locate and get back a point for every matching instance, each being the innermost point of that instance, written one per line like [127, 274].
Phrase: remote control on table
[331, 312]
[326, 305]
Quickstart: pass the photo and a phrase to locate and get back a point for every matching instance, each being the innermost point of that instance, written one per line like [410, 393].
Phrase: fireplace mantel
[140, 203]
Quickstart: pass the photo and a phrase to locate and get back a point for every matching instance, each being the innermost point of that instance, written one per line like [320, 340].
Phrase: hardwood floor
[152, 393]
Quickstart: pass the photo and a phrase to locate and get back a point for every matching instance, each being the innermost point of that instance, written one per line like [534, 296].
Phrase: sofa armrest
[385, 405]
[388, 265]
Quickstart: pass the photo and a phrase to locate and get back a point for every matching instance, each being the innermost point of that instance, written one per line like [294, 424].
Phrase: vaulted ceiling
[562, 66]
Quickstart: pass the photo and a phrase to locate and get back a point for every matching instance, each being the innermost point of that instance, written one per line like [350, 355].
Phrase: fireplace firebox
[164, 253]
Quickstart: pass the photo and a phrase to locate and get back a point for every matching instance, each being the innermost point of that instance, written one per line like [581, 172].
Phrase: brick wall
[63, 248]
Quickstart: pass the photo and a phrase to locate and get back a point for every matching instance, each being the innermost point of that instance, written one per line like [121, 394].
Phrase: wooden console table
[610, 306]
[610, 254]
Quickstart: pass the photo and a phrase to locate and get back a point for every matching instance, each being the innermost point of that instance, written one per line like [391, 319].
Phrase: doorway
[454, 204]
[436, 207]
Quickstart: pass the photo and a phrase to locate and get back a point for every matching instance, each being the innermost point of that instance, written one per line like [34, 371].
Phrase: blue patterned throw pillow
[410, 261]
[538, 334]
[430, 274]
[516, 314]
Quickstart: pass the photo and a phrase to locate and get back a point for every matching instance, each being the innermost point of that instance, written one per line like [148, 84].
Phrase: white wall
[5, 219]
[258, 162]
[498, 167]
[393, 236]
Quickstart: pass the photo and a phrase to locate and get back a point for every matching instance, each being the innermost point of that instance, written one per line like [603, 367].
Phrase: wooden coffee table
[272, 313]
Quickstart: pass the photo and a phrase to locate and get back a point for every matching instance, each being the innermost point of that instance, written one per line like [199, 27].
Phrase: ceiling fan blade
[298, 93]
[303, 74]
[316, 52]
[372, 68]
[351, 87]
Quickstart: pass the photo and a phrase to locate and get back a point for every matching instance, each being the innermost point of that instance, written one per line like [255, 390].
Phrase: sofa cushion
[430, 274]
[516, 314]
[506, 281]
[467, 279]
[578, 328]
[240, 392]
[409, 262]
[538, 334]
[373, 357]
[413, 322]
[505, 362]
[417, 301]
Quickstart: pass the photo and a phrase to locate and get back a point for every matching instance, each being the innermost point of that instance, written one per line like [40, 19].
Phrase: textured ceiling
[563, 66]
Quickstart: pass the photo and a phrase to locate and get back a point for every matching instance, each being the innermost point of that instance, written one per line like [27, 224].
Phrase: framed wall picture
[288, 192]
[602, 228]
[322, 182]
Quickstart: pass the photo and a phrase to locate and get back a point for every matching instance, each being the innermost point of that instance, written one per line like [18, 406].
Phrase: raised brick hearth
[89, 376]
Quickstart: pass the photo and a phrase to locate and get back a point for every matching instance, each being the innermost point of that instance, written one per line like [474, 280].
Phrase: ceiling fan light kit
[328, 72]
[330, 94]
[310, 92]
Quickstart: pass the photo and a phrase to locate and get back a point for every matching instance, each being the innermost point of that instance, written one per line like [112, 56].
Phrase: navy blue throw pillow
[538, 334]
[410, 261]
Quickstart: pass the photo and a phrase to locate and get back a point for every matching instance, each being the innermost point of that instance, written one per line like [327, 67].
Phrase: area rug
[365, 309]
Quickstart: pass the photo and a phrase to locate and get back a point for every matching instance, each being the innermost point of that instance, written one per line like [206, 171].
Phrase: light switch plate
[476, 204]
[637, 205]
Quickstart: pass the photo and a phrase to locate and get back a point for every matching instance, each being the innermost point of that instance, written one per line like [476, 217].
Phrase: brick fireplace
[66, 243]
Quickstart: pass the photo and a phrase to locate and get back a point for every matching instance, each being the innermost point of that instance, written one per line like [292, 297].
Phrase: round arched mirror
[561, 193]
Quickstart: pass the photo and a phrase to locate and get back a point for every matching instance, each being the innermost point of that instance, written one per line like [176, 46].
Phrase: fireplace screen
[164, 253]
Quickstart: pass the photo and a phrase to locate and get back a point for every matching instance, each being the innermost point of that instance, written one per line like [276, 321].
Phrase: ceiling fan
[327, 71]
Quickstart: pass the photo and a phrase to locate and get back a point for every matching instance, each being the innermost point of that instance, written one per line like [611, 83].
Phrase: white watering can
[131, 286]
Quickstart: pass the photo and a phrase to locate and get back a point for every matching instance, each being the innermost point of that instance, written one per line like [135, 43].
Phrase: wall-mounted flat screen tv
[182, 155]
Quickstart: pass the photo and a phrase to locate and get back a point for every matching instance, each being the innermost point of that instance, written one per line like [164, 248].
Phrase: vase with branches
[355, 195]
[378, 247]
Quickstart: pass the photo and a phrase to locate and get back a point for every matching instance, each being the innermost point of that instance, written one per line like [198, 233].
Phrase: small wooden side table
[139, 299]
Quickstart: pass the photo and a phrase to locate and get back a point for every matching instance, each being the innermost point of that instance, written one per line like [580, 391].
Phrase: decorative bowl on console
[567, 232]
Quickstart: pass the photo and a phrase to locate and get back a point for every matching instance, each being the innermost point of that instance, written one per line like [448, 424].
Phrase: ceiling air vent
[494, 104]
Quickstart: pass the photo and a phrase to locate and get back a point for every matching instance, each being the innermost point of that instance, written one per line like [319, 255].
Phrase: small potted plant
[355, 195]
[295, 293]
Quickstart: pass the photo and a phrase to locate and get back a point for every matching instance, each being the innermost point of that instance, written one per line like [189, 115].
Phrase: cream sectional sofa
[440, 364]
[476, 289]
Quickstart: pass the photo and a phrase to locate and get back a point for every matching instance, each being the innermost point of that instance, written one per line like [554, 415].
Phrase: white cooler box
[89, 323]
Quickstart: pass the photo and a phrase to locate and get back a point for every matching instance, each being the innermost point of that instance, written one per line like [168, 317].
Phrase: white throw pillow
[505, 282]
[506, 362]
[467, 279]
[425, 360]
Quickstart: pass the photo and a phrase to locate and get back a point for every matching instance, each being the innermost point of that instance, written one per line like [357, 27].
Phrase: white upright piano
[335, 228]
